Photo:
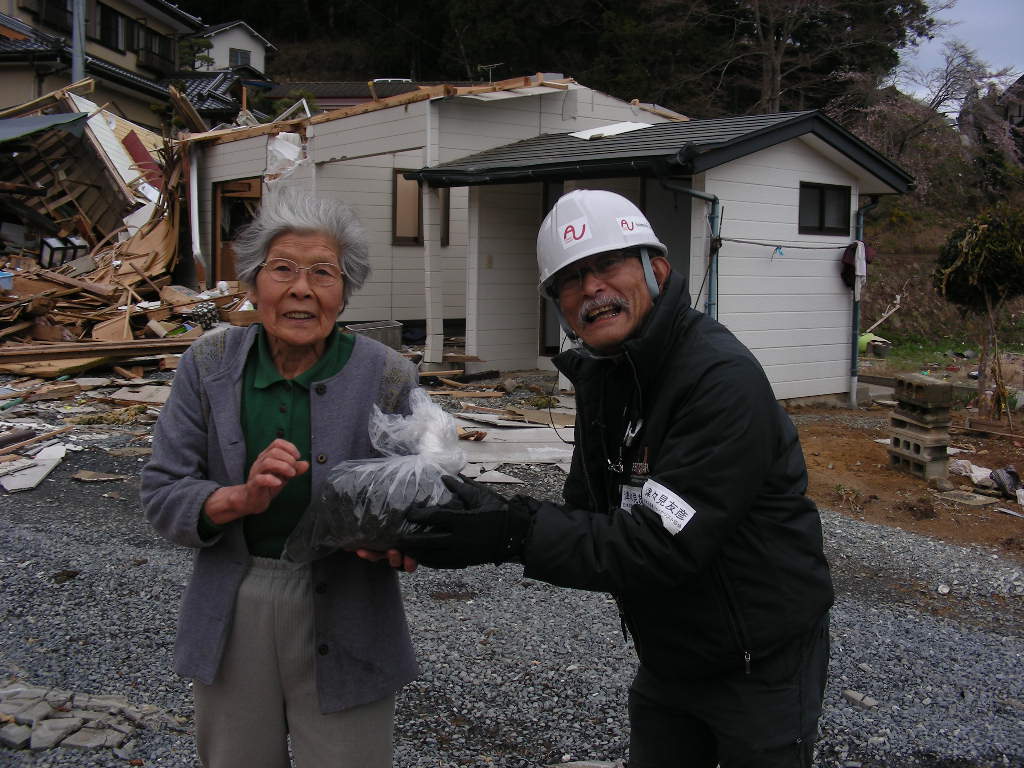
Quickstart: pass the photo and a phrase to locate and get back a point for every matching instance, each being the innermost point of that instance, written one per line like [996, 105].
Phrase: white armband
[674, 512]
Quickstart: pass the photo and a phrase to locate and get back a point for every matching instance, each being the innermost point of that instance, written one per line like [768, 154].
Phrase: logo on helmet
[570, 231]
[629, 223]
[574, 232]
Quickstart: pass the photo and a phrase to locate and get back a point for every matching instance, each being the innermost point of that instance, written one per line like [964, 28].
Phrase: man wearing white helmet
[685, 500]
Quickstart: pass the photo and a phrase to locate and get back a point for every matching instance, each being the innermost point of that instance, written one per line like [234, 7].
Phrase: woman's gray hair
[290, 210]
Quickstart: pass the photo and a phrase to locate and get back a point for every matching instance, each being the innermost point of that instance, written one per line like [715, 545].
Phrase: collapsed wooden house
[90, 221]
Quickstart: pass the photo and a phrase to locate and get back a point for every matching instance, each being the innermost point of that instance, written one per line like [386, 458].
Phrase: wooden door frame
[247, 188]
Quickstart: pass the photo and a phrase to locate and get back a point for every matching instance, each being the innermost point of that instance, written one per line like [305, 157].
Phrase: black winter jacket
[722, 563]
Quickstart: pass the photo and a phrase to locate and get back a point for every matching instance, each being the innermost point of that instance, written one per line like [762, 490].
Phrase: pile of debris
[41, 421]
[89, 229]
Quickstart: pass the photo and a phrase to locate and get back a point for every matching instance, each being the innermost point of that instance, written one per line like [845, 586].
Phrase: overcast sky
[991, 27]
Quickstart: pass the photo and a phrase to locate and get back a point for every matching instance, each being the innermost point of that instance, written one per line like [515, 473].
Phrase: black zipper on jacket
[580, 443]
[734, 617]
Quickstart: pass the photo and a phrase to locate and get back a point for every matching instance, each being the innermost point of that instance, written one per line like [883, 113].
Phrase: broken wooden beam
[36, 439]
[103, 290]
[15, 436]
[126, 373]
[459, 393]
[54, 391]
[438, 374]
[23, 353]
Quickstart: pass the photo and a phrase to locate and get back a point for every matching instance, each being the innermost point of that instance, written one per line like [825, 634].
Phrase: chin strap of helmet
[652, 282]
[561, 319]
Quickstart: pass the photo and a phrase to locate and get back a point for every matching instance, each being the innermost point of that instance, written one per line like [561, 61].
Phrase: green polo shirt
[272, 407]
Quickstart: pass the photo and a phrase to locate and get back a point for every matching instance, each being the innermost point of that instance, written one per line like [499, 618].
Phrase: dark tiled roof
[342, 89]
[35, 40]
[114, 72]
[209, 92]
[40, 43]
[172, 10]
[665, 148]
[655, 140]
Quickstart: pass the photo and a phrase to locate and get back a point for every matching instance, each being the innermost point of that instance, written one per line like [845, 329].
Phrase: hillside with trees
[701, 57]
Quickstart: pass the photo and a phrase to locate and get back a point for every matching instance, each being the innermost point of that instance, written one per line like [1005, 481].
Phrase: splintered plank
[459, 393]
[439, 374]
[49, 370]
[103, 290]
[32, 353]
[16, 328]
[33, 440]
[54, 392]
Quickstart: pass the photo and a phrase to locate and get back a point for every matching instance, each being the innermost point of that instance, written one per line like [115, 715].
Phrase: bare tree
[943, 92]
[961, 73]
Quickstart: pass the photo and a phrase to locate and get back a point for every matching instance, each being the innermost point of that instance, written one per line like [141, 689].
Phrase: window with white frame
[239, 57]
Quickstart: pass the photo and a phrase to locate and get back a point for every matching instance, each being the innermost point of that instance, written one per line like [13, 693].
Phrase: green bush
[981, 265]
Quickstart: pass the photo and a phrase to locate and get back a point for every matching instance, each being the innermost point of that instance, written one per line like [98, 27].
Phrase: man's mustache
[601, 302]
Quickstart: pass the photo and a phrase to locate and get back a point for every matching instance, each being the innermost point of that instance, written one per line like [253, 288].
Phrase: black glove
[477, 526]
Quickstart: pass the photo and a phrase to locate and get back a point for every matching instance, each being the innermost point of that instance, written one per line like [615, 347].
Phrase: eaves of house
[665, 149]
[179, 20]
[215, 29]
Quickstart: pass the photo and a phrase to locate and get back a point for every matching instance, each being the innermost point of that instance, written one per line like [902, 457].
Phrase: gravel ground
[515, 672]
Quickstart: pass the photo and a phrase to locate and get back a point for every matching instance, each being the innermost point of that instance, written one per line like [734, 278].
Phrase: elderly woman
[257, 416]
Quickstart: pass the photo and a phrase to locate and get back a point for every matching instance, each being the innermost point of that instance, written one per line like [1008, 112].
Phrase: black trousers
[765, 719]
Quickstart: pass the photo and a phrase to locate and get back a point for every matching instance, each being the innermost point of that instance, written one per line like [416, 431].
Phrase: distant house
[236, 44]
[452, 183]
[129, 45]
[1012, 102]
[222, 87]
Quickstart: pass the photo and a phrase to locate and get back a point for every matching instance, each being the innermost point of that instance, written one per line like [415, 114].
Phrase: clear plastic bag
[362, 502]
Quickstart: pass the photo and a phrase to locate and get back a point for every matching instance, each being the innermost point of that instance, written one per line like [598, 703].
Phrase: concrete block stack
[919, 426]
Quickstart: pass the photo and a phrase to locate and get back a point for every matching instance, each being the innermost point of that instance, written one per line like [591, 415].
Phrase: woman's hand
[276, 465]
[395, 559]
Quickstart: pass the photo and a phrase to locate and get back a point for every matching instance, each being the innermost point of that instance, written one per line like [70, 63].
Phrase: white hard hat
[589, 221]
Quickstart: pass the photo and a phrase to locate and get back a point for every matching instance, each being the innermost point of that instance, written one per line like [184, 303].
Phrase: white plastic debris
[980, 476]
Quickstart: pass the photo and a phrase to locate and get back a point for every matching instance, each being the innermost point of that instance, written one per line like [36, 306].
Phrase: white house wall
[372, 133]
[237, 37]
[243, 159]
[355, 160]
[501, 297]
[791, 309]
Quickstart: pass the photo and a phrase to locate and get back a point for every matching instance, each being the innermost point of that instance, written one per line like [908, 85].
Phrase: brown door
[234, 205]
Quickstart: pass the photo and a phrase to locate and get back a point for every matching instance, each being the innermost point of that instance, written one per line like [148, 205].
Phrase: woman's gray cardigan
[364, 652]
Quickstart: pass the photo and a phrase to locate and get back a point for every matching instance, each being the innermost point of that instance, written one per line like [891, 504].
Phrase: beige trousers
[265, 692]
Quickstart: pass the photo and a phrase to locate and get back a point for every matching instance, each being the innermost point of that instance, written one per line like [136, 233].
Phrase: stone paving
[46, 718]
